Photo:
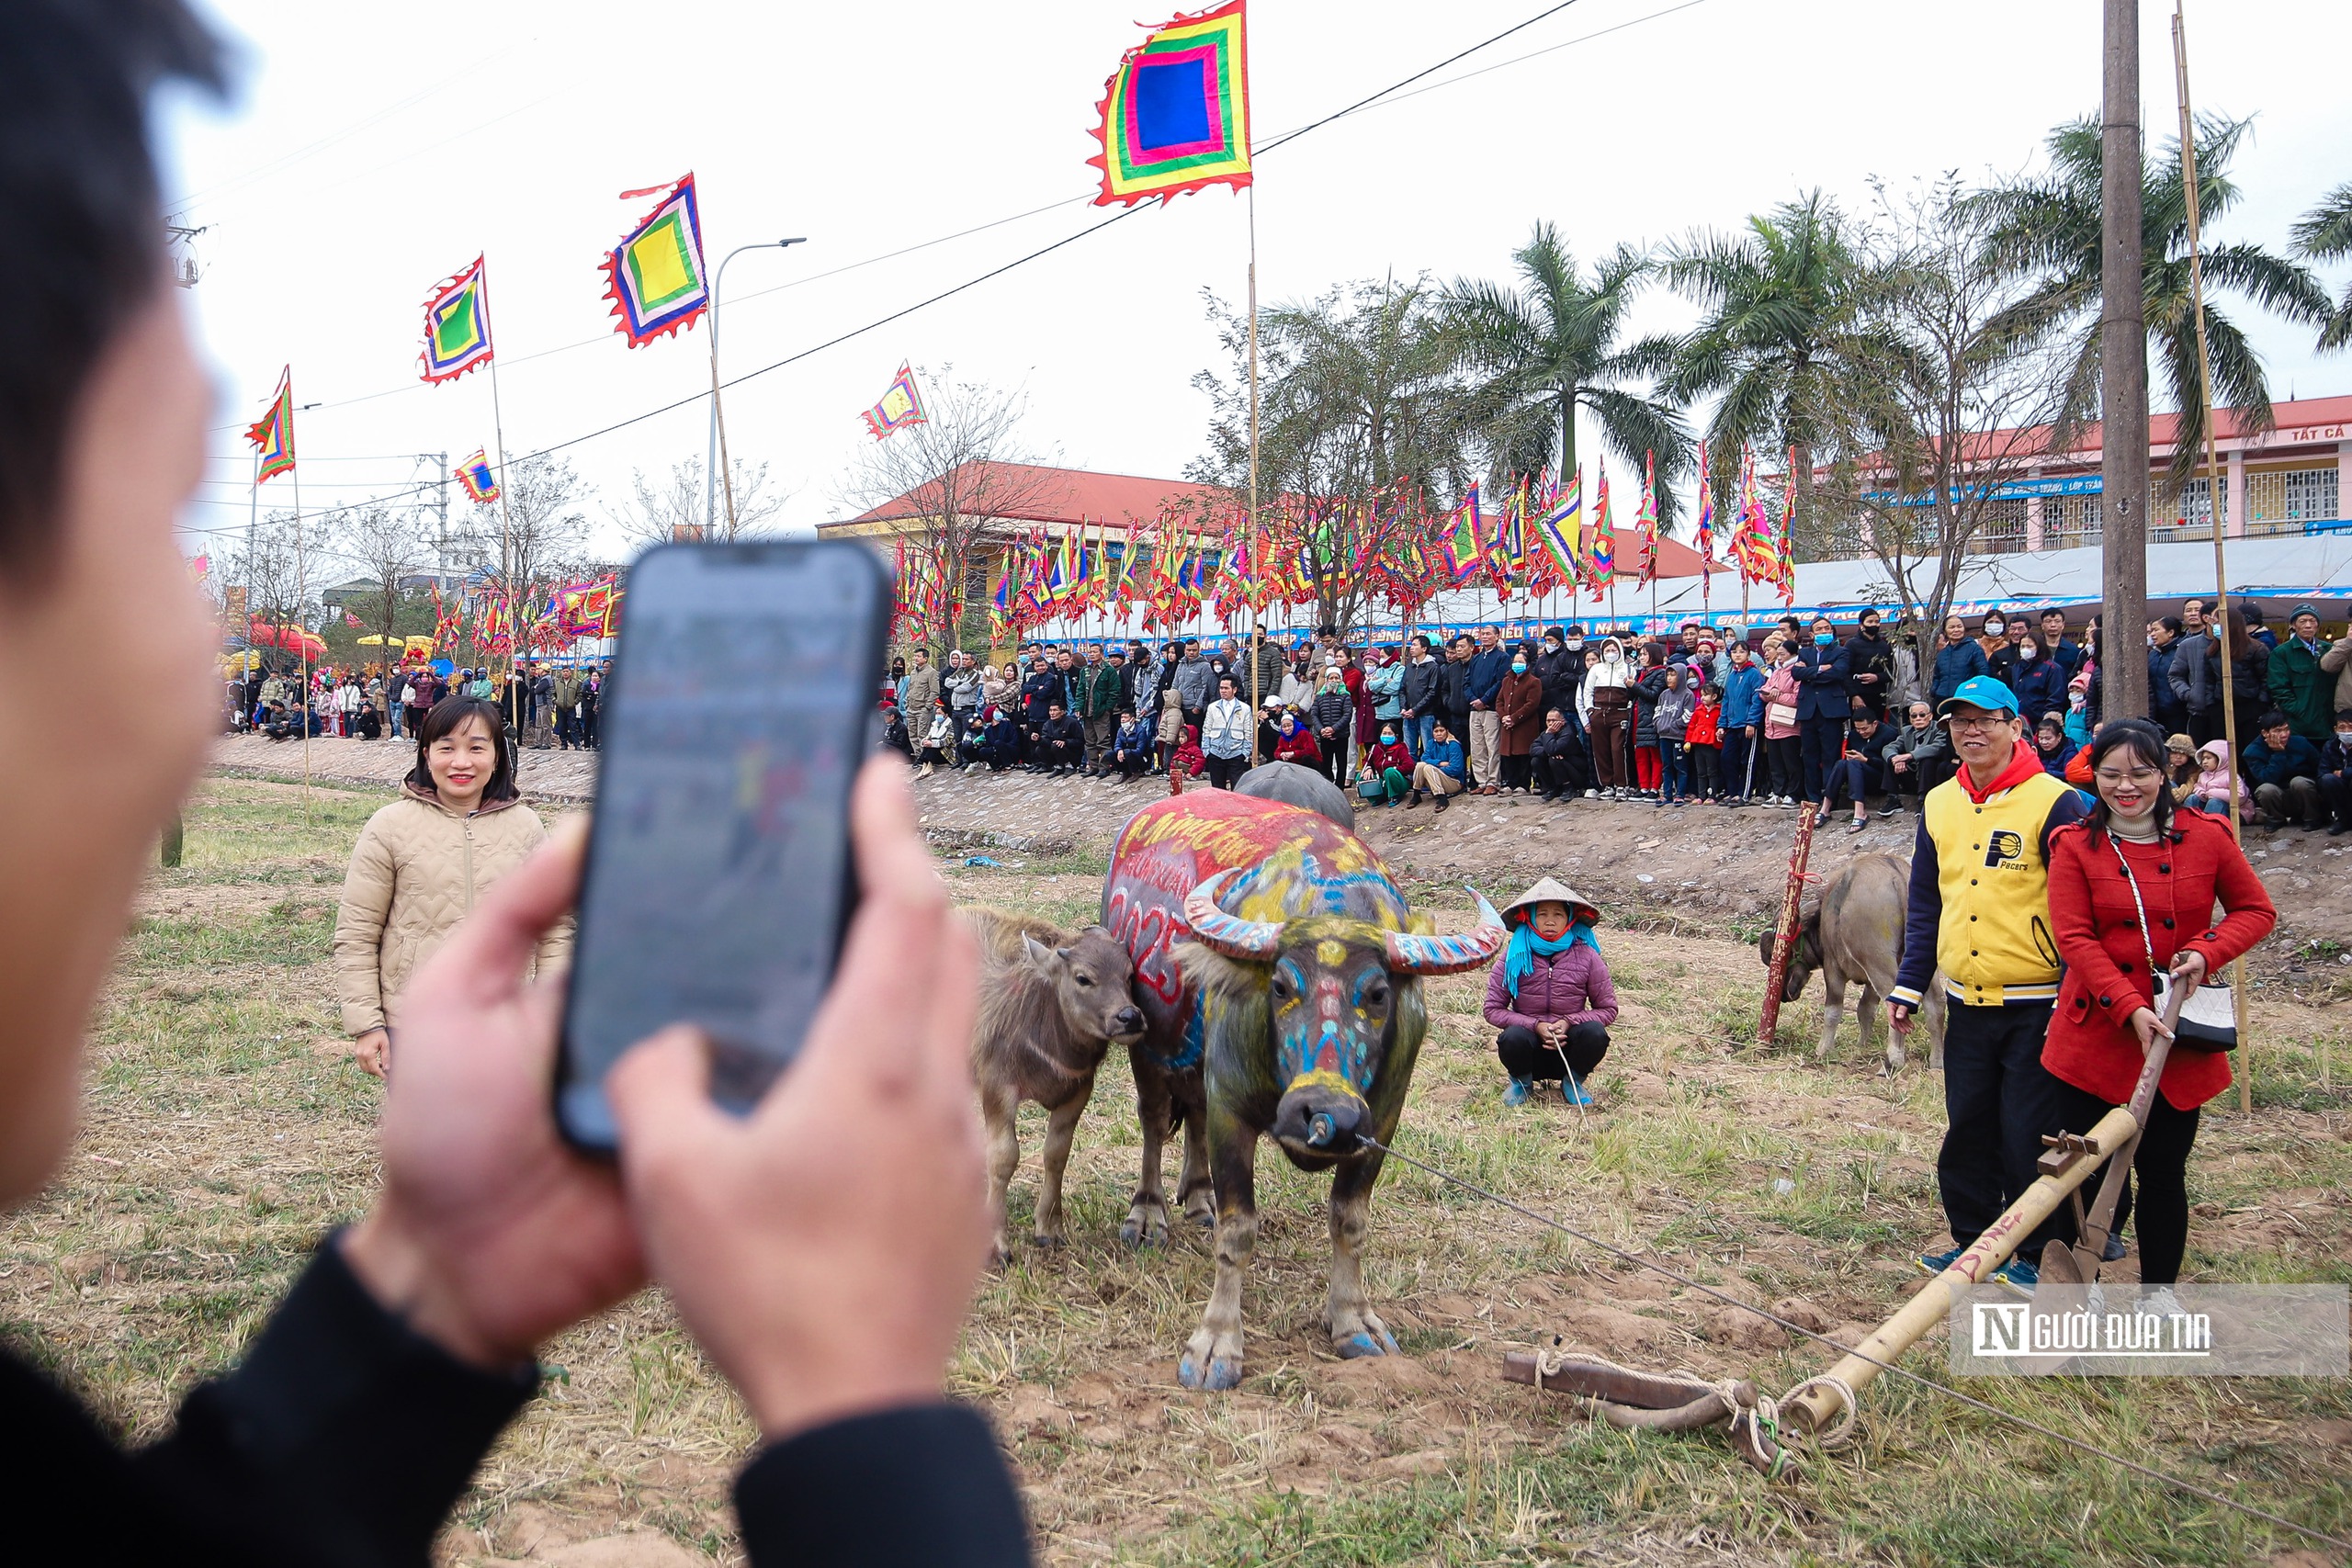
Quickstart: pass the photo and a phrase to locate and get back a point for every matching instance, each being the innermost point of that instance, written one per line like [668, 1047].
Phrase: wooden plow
[1823, 1411]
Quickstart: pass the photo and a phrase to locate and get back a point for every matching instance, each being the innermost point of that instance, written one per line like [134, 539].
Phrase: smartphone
[719, 879]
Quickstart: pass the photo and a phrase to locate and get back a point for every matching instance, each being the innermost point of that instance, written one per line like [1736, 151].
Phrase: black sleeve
[923, 1487]
[343, 1434]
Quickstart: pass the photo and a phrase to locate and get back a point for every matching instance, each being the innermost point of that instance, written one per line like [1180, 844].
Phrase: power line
[1126, 212]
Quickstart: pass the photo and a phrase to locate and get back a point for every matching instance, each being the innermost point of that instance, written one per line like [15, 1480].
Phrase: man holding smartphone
[822, 1249]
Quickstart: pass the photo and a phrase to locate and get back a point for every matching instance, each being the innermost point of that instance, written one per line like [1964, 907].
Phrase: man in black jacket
[1418, 693]
[821, 1250]
[1061, 743]
[1869, 666]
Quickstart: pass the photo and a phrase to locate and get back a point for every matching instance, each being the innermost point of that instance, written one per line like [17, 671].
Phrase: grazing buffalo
[1279, 970]
[1854, 936]
[1051, 1005]
[1301, 787]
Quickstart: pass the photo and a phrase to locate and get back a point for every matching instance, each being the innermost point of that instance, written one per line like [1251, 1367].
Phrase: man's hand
[824, 1248]
[373, 1050]
[491, 1236]
[1898, 1018]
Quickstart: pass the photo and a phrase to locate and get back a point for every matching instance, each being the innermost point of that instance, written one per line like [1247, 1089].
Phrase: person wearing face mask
[2133, 890]
[1519, 708]
[1559, 667]
[1822, 709]
[1384, 772]
[1869, 666]
[2335, 774]
[1995, 644]
[1553, 759]
[1608, 709]
[1550, 995]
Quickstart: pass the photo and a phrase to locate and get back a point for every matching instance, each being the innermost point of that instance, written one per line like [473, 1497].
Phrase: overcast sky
[373, 150]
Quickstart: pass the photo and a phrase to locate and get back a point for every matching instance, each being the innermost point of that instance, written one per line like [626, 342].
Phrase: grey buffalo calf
[1854, 936]
[1052, 1004]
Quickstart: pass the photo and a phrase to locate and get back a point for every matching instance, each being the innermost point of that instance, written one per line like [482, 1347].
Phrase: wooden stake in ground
[2212, 512]
[1784, 939]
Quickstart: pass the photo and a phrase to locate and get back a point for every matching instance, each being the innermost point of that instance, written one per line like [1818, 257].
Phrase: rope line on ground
[1844, 1430]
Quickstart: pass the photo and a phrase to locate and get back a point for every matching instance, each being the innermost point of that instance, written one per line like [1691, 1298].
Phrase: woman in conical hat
[1550, 995]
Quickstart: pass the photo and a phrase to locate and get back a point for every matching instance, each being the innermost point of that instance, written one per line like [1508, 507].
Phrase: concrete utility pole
[2123, 373]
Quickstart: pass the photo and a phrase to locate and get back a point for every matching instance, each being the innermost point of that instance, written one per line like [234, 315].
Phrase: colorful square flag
[475, 474]
[901, 406]
[1561, 527]
[457, 325]
[272, 433]
[654, 276]
[1175, 115]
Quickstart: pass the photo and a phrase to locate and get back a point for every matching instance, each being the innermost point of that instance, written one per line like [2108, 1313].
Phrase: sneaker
[1592, 795]
[1933, 1263]
[2157, 1300]
[1518, 1090]
[2017, 1277]
[1892, 808]
[2113, 1251]
[1575, 1094]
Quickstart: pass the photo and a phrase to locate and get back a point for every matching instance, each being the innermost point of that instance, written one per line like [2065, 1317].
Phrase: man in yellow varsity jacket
[1980, 912]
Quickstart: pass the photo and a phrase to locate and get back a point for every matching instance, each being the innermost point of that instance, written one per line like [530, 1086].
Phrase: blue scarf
[1519, 959]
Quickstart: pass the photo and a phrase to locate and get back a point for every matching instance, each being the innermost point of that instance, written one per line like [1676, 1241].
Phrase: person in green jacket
[2299, 687]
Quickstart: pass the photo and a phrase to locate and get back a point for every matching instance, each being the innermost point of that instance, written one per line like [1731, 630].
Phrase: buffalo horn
[1252, 941]
[1412, 955]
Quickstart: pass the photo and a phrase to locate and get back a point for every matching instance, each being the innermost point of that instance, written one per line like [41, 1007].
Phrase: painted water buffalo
[1854, 936]
[1279, 971]
[1052, 1003]
[1302, 787]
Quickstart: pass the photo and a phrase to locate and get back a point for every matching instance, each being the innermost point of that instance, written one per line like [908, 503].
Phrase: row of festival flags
[1538, 540]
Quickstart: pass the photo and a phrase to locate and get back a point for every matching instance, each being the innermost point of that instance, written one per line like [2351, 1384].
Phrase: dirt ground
[228, 1128]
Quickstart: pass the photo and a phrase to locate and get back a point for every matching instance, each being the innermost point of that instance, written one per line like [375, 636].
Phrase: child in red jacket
[1704, 743]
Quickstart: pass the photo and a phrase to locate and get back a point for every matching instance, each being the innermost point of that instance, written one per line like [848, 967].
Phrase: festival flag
[1511, 543]
[1645, 523]
[1562, 526]
[457, 324]
[1751, 536]
[900, 407]
[475, 474]
[272, 433]
[1175, 115]
[1601, 557]
[654, 276]
[1465, 543]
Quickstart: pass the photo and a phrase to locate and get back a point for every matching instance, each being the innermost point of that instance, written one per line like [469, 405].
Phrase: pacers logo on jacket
[2004, 849]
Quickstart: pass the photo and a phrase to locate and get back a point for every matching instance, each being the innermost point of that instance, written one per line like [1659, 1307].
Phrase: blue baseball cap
[1981, 692]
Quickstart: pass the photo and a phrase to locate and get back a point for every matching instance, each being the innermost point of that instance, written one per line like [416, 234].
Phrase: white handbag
[2208, 1018]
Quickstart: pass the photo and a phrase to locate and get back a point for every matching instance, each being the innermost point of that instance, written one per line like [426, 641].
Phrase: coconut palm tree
[2046, 231]
[2325, 233]
[1539, 351]
[1785, 335]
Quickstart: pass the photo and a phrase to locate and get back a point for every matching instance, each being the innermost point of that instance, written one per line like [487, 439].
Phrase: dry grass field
[226, 1128]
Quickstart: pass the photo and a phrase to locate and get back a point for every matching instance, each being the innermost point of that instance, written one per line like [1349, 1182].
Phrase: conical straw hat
[1552, 891]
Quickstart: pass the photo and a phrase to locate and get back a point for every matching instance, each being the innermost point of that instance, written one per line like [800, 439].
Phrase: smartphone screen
[719, 877]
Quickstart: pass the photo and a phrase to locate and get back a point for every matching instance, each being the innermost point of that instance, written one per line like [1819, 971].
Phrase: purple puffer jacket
[1572, 986]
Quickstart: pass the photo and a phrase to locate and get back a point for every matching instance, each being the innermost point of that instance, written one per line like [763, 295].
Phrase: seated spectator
[893, 732]
[2051, 745]
[2180, 767]
[2283, 768]
[1917, 759]
[1550, 995]
[1555, 758]
[1188, 760]
[1385, 773]
[2335, 774]
[1862, 766]
[1293, 744]
[1442, 771]
[1061, 743]
[938, 747]
[1134, 747]
[2216, 781]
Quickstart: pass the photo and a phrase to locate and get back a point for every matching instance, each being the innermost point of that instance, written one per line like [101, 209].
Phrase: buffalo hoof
[1357, 1346]
[1051, 1243]
[1222, 1373]
[1140, 1232]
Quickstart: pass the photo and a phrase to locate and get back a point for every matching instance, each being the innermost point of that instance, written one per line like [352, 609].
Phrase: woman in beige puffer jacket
[421, 861]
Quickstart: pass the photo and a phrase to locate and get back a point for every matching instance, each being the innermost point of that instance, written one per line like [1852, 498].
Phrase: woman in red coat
[2182, 864]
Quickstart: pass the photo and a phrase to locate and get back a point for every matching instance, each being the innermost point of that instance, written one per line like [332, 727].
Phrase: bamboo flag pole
[505, 534]
[1256, 699]
[2213, 503]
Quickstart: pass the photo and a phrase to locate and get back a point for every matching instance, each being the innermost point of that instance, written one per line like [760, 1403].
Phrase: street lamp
[717, 460]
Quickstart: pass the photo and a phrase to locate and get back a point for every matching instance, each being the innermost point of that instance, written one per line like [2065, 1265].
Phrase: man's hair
[2170, 623]
[2274, 719]
[80, 230]
[2344, 716]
